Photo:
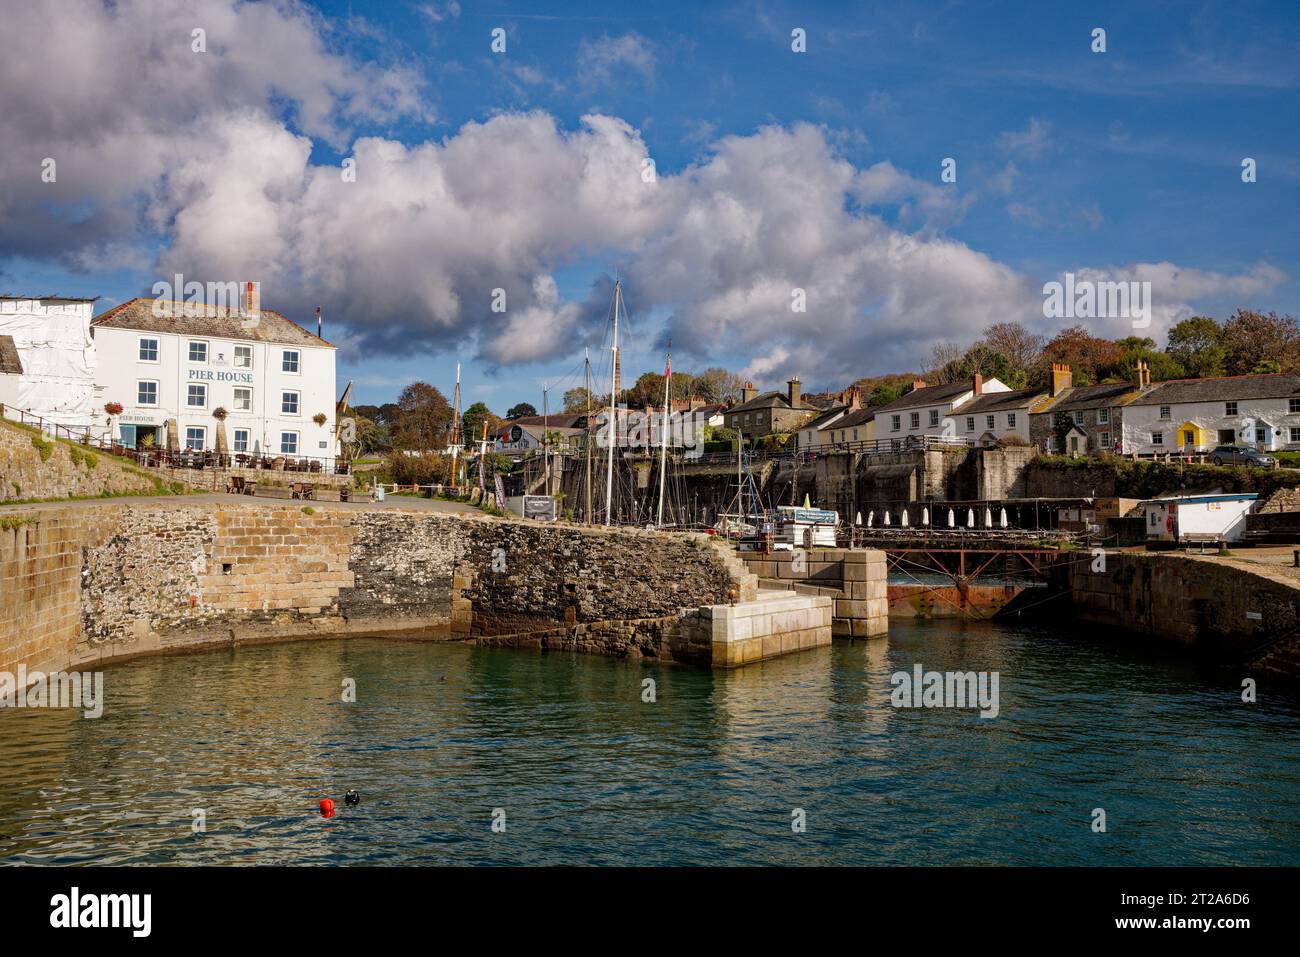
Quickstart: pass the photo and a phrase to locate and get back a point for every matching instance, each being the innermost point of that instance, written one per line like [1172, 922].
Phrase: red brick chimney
[919, 383]
[1062, 379]
[852, 397]
[978, 387]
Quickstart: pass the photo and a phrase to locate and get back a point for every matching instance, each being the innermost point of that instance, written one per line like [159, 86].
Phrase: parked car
[1242, 455]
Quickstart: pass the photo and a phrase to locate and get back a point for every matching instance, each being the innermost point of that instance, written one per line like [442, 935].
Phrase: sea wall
[87, 583]
[1233, 610]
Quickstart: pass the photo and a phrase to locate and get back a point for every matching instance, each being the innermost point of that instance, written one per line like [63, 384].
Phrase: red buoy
[326, 808]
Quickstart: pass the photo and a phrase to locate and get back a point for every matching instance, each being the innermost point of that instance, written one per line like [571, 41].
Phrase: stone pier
[855, 579]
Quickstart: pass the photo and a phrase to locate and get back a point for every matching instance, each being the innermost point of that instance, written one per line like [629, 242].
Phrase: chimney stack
[795, 389]
[852, 397]
[1142, 375]
[748, 392]
[978, 387]
[919, 384]
[1062, 379]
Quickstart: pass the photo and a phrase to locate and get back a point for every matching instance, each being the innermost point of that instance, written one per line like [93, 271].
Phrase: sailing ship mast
[613, 409]
[663, 435]
[455, 428]
[546, 438]
[586, 358]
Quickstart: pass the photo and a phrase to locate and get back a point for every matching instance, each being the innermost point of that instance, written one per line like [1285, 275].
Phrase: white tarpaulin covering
[58, 356]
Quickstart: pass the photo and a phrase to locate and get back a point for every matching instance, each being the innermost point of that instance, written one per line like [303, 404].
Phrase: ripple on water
[442, 734]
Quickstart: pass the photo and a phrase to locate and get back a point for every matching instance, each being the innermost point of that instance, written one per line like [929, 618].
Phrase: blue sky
[1125, 162]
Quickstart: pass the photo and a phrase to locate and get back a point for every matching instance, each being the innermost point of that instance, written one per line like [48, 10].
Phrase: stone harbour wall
[34, 466]
[1236, 611]
[82, 583]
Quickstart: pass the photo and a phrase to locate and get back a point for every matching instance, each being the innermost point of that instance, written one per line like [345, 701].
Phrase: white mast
[546, 438]
[455, 429]
[613, 410]
[663, 437]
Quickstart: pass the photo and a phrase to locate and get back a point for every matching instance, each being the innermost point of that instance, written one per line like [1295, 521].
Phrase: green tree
[1196, 344]
[575, 400]
[521, 410]
[472, 422]
[1161, 365]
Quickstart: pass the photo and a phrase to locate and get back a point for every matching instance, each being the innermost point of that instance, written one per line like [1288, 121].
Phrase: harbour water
[586, 772]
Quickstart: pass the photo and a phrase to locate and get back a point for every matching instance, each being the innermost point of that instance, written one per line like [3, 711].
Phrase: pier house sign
[207, 375]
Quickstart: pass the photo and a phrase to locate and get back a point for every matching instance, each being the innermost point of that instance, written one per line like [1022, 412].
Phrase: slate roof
[826, 418]
[772, 400]
[220, 322]
[1222, 389]
[1081, 397]
[10, 363]
[930, 395]
[556, 420]
[857, 417]
[999, 401]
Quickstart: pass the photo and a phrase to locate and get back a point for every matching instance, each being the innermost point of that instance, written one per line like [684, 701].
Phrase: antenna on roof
[318, 335]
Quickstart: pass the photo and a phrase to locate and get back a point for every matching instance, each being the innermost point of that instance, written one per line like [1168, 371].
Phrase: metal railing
[180, 458]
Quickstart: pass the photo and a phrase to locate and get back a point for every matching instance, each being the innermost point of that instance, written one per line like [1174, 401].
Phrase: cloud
[1031, 142]
[600, 60]
[211, 168]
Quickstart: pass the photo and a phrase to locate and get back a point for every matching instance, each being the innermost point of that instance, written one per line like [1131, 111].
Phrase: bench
[274, 491]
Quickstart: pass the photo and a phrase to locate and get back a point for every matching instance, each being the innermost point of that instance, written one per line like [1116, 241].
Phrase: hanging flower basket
[219, 413]
[113, 408]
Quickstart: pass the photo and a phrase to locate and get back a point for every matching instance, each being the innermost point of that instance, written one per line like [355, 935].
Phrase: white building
[932, 410]
[170, 360]
[1192, 518]
[47, 360]
[1196, 415]
[988, 419]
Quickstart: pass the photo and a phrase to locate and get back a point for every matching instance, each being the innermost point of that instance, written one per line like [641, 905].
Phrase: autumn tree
[1087, 356]
[423, 417]
[1013, 340]
[1252, 338]
[716, 384]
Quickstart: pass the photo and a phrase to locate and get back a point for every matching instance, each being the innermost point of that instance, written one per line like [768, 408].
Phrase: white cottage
[1195, 415]
[932, 410]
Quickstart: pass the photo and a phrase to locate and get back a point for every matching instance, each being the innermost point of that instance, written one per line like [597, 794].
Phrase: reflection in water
[441, 734]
